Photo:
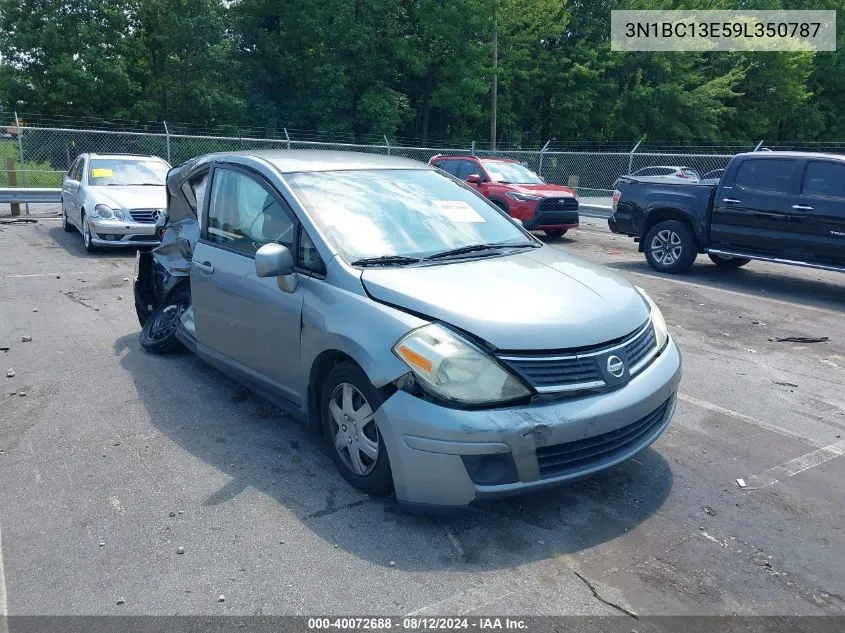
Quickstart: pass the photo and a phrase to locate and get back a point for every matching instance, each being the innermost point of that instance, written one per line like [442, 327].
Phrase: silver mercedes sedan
[439, 349]
[115, 199]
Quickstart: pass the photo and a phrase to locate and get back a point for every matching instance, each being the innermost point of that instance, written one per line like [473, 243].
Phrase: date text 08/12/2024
[411, 623]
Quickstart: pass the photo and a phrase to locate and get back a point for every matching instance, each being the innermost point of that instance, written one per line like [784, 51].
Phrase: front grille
[573, 457]
[641, 347]
[578, 370]
[558, 204]
[145, 216]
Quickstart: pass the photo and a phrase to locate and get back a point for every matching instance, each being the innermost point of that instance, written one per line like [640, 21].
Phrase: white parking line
[73, 272]
[3, 605]
[746, 418]
[796, 466]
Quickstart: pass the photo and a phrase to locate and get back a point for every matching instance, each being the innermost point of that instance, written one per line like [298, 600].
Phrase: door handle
[802, 207]
[731, 200]
[205, 267]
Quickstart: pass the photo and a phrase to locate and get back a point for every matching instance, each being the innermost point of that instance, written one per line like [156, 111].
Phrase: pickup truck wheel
[728, 262]
[670, 247]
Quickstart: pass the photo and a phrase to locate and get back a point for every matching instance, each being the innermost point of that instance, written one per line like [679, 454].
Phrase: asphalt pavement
[113, 461]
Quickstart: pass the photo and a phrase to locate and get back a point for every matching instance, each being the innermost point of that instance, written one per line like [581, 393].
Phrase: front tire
[670, 247]
[87, 238]
[158, 335]
[347, 404]
[727, 262]
[555, 234]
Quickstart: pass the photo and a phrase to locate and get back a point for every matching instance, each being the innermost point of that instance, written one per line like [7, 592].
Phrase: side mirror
[518, 221]
[274, 260]
[474, 179]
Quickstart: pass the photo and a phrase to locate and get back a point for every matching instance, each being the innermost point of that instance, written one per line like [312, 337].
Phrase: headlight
[522, 197]
[103, 211]
[661, 332]
[455, 369]
[118, 214]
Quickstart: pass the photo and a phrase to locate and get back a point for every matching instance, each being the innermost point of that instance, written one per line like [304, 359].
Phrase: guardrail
[30, 194]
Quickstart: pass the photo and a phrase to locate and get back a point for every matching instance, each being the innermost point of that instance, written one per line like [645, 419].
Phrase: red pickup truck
[517, 190]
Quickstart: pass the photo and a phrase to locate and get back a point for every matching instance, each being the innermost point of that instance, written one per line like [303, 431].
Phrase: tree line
[409, 69]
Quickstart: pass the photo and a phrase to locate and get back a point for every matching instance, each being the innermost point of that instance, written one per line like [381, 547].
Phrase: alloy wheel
[165, 322]
[666, 247]
[86, 233]
[356, 437]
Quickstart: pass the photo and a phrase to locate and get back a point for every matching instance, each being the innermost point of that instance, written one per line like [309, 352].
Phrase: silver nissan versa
[440, 349]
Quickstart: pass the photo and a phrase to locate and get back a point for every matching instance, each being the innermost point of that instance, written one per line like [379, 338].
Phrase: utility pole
[495, 88]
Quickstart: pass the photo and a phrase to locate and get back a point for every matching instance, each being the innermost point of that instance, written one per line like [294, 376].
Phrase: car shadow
[822, 291]
[72, 244]
[258, 447]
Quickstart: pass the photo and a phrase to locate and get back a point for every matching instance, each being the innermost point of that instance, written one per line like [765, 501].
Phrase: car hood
[545, 190]
[120, 197]
[540, 299]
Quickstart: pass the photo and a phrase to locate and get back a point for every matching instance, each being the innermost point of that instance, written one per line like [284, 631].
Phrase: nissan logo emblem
[615, 366]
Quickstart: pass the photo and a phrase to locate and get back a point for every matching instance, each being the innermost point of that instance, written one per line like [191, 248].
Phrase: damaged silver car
[439, 349]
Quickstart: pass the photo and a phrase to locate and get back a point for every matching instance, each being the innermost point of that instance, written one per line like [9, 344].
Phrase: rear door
[819, 211]
[753, 207]
[243, 321]
[71, 194]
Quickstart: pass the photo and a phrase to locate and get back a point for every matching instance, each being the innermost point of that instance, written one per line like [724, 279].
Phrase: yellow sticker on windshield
[100, 173]
[458, 211]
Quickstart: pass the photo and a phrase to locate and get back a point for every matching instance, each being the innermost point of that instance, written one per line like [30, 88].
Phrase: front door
[71, 202]
[243, 321]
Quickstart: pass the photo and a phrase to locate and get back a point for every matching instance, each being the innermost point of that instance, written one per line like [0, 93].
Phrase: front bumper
[123, 233]
[428, 443]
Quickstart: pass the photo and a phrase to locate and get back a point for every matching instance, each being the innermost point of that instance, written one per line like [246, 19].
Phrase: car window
[245, 215]
[449, 166]
[691, 173]
[468, 167]
[194, 190]
[760, 174]
[505, 172]
[309, 258]
[73, 172]
[824, 179]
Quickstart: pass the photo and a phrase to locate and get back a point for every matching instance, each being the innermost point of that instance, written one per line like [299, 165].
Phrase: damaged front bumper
[450, 457]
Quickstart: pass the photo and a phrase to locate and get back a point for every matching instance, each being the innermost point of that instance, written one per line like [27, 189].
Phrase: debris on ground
[756, 322]
[20, 221]
[740, 483]
[101, 544]
[709, 511]
[126, 279]
[22, 393]
[392, 563]
[26, 338]
[4, 349]
[180, 550]
[221, 598]
[171, 514]
[120, 297]
[785, 384]
[801, 339]
[120, 601]
[10, 373]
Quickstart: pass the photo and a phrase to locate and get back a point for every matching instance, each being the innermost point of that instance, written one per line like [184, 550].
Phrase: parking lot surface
[157, 483]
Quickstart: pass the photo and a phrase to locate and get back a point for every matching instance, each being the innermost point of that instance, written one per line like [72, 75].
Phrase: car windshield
[104, 172]
[501, 171]
[410, 213]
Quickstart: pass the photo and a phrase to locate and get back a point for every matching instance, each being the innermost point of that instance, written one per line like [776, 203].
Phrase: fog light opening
[491, 470]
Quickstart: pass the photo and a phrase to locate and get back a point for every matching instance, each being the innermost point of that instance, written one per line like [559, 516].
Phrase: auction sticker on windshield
[458, 211]
[101, 173]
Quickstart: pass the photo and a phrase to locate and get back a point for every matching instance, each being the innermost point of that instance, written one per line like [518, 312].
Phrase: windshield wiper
[473, 248]
[386, 260]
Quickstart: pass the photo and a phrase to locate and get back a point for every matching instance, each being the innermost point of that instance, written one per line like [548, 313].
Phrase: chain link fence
[42, 154]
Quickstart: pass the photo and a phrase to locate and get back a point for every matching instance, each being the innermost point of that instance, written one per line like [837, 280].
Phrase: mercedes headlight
[661, 332]
[104, 212]
[454, 369]
[522, 197]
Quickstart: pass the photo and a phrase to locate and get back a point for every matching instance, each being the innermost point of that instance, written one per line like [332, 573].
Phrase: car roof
[664, 167]
[789, 154]
[289, 161]
[126, 156]
[500, 159]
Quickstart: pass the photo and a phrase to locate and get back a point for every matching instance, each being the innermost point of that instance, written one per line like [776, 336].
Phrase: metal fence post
[287, 138]
[473, 149]
[20, 151]
[167, 137]
[386, 143]
[631, 156]
[757, 149]
[543, 151]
